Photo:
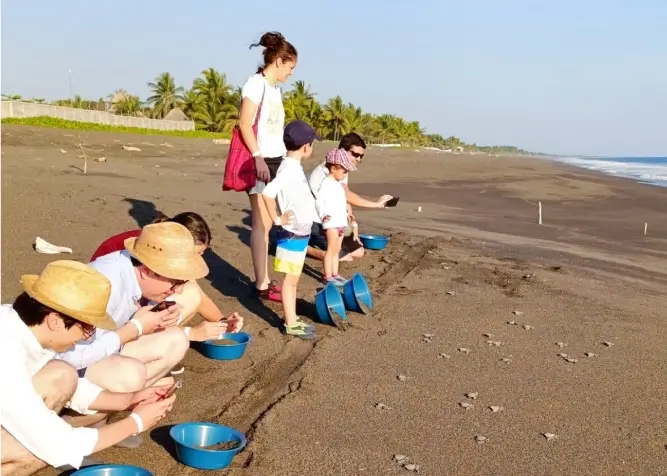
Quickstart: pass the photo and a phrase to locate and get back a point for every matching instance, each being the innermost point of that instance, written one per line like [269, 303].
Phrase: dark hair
[275, 46]
[331, 166]
[292, 147]
[350, 140]
[193, 222]
[32, 312]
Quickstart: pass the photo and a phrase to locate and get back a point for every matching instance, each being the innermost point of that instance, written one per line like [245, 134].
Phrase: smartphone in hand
[161, 306]
[393, 202]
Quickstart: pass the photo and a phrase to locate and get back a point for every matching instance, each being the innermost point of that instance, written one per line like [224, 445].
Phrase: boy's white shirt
[332, 202]
[291, 191]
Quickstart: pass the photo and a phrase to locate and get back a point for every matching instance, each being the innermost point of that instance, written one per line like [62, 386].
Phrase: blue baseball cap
[299, 133]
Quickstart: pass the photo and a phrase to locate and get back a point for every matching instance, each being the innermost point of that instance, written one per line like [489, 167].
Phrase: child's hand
[326, 218]
[234, 322]
[287, 218]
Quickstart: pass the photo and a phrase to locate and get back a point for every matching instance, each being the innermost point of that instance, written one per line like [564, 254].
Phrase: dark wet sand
[588, 275]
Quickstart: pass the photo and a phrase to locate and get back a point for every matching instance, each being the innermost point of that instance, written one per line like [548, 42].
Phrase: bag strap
[261, 102]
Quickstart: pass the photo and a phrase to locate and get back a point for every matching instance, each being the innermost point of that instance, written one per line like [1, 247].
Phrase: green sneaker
[300, 329]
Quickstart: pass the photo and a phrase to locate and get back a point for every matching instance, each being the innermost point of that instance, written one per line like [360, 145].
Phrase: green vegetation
[213, 104]
[45, 121]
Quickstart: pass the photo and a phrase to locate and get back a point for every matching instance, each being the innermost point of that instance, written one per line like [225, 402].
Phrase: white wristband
[187, 331]
[137, 324]
[256, 154]
[277, 221]
[140, 423]
[354, 225]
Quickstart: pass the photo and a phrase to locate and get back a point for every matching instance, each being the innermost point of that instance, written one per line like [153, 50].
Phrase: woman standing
[261, 95]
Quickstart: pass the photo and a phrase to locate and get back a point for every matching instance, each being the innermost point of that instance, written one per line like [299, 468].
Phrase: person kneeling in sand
[147, 344]
[192, 299]
[63, 305]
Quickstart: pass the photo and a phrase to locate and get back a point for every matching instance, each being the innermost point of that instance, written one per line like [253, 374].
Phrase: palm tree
[129, 105]
[218, 108]
[166, 95]
[334, 115]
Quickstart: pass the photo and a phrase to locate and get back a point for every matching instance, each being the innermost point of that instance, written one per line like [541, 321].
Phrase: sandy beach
[470, 263]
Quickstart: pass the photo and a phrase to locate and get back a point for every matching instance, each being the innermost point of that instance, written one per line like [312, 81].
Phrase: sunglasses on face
[87, 330]
[356, 155]
[176, 283]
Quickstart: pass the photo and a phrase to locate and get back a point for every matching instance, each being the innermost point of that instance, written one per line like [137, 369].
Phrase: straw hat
[73, 289]
[168, 249]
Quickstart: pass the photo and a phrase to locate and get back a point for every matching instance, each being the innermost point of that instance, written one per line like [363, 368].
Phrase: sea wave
[643, 169]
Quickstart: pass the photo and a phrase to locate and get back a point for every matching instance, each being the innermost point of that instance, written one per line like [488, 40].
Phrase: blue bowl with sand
[374, 242]
[112, 470]
[204, 445]
[329, 305]
[230, 346]
[357, 295]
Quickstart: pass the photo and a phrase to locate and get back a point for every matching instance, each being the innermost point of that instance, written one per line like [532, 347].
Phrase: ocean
[649, 170]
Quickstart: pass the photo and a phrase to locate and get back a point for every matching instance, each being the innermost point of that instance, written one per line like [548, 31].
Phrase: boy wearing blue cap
[296, 203]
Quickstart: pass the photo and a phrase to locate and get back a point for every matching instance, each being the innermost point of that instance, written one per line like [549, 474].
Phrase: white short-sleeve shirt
[272, 115]
[332, 202]
[317, 177]
[290, 189]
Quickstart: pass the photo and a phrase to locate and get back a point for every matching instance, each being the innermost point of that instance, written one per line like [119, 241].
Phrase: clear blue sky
[566, 76]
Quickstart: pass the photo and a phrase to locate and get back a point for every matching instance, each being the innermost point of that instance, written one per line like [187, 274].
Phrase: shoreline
[588, 275]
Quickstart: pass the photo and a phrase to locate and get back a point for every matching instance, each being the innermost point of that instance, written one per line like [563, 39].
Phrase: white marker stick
[645, 227]
[539, 212]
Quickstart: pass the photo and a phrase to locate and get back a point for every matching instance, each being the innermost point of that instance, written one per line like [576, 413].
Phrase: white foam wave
[655, 173]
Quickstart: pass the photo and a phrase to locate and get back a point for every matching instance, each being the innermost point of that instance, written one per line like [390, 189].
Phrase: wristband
[354, 225]
[187, 331]
[256, 154]
[140, 423]
[277, 221]
[137, 324]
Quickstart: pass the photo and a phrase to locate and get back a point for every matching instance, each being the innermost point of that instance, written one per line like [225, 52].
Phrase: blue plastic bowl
[374, 242]
[329, 304]
[113, 470]
[357, 295]
[227, 352]
[190, 437]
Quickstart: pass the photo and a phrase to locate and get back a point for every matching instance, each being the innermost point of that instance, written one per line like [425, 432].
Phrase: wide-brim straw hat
[168, 249]
[73, 289]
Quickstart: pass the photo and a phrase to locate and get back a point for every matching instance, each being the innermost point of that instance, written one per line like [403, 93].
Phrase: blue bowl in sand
[329, 305]
[112, 470]
[374, 242]
[232, 349]
[204, 445]
[357, 295]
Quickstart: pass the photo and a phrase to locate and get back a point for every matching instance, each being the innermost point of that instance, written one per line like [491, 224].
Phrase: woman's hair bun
[272, 40]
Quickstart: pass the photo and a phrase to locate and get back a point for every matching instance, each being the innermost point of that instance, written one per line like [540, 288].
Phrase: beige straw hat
[168, 249]
[73, 289]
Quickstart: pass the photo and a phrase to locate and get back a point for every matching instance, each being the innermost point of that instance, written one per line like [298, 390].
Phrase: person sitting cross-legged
[63, 305]
[147, 344]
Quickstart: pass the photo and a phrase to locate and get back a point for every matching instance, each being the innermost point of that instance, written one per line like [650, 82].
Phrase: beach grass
[57, 123]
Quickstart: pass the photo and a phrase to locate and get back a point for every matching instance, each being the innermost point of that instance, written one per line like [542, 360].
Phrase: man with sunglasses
[147, 343]
[351, 248]
[65, 304]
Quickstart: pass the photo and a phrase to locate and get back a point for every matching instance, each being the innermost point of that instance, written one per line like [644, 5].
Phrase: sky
[579, 77]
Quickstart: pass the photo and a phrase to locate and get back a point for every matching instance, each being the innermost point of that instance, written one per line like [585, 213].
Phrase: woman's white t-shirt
[332, 202]
[272, 115]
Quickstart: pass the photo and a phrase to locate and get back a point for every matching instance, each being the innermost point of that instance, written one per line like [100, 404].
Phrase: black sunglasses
[356, 155]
